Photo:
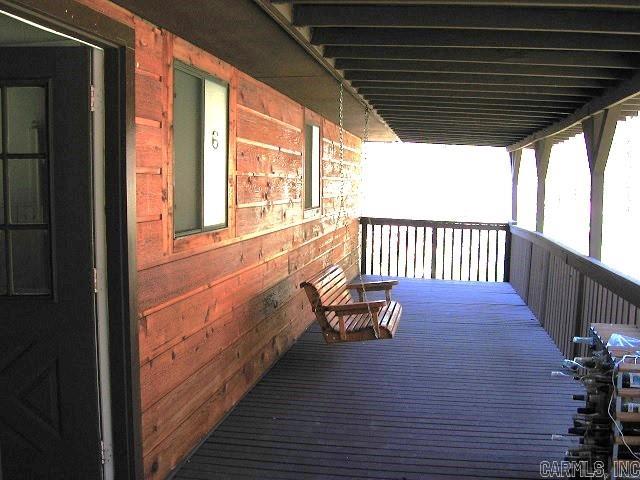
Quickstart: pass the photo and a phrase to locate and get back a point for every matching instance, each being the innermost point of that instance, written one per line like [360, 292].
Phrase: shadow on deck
[463, 391]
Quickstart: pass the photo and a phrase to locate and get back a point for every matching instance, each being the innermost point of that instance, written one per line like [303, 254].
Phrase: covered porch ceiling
[473, 72]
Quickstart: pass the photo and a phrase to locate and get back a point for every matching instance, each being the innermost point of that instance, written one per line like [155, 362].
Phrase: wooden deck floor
[464, 391]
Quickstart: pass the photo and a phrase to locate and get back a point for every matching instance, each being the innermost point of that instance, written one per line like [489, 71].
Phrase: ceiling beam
[471, 107]
[426, 37]
[410, 94]
[506, 56]
[615, 4]
[566, 107]
[617, 95]
[482, 17]
[452, 142]
[475, 79]
[384, 111]
[437, 129]
[420, 88]
[456, 122]
[535, 123]
[479, 68]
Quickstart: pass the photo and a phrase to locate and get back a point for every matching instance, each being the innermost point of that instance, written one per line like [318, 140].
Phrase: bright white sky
[446, 182]
[436, 182]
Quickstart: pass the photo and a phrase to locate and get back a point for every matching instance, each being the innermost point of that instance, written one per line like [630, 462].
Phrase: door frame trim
[118, 42]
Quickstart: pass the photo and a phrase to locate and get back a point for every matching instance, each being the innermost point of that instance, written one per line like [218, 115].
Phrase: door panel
[49, 409]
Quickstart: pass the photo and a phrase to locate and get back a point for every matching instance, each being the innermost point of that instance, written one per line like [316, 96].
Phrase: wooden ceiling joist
[479, 68]
[480, 72]
[476, 39]
[508, 56]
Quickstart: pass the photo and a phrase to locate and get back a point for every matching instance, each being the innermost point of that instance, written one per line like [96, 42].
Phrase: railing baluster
[452, 251]
[406, 250]
[496, 260]
[415, 252]
[470, 250]
[479, 242]
[380, 256]
[434, 248]
[486, 270]
[444, 250]
[461, 252]
[424, 251]
[363, 247]
[389, 253]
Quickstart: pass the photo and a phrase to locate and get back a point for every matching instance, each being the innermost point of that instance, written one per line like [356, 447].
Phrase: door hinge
[95, 280]
[92, 98]
[103, 459]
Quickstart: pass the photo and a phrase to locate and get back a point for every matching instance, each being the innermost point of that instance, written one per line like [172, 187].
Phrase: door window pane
[3, 266]
[1, 131]
[26, 128]
[187, 131]
[1, 194]
[31, 261]
[215, 154]
[28, 190]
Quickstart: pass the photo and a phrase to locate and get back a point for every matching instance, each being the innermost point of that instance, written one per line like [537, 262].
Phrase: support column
[515, 157]
[543, 152]
[598, 136]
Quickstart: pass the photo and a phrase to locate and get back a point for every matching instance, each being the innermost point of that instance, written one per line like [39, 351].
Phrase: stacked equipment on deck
[609, 422]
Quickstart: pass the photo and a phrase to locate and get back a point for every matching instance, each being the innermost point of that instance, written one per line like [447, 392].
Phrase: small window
[25, 239]
[312, 167]
[200, 153]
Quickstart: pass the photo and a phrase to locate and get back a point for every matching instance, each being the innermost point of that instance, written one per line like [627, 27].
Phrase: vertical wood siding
[567, 292]
[216, 310]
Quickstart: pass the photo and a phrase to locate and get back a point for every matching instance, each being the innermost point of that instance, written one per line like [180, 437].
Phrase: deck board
[463, 392]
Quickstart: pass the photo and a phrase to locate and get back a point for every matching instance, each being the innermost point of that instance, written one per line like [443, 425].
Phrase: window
[25, 247]
[312, 167]
[200, 153]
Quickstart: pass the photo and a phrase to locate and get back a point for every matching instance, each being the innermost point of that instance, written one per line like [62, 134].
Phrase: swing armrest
[372, 286]
[358, 307]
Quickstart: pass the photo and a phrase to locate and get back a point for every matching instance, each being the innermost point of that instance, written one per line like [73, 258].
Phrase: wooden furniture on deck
[342, 319]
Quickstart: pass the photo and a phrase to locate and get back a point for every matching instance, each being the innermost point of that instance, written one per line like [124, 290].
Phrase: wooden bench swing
[342, 319]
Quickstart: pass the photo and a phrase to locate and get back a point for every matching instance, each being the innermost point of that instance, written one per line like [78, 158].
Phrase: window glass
[28, 192]
[25, 245]
[312, 167]
[1, 194]
[3, 265]
[215, 154]
[31, 261]
[187, 140]
[26, 130]
[200, 151]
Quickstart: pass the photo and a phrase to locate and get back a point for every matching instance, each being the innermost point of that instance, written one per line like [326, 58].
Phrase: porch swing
[340, 318]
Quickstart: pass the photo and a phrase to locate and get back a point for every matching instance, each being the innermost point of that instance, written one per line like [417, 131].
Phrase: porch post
[598, 136]
[543, 151]
[515, 157]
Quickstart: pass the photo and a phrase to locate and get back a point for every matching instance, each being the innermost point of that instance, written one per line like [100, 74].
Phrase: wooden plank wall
[567, 292]
[519, 265]
[216, 310]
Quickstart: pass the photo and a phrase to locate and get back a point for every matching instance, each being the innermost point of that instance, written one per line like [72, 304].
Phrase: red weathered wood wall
[216, 310]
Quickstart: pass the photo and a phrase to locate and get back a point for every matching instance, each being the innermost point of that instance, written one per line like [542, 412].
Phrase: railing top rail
[618, 283]
[433, 223]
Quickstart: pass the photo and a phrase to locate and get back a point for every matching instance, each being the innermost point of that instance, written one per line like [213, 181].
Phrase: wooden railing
[468, 251]
[568, 291]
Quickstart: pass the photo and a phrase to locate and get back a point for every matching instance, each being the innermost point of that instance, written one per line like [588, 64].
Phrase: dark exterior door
[49, 404]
